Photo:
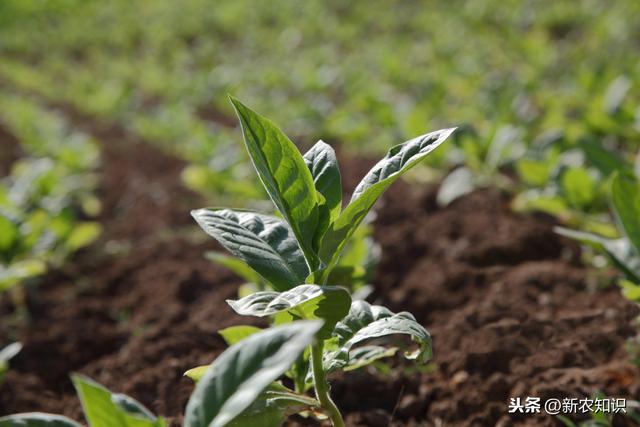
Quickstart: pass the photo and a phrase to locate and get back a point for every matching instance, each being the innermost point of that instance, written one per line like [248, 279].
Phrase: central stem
[322, 387]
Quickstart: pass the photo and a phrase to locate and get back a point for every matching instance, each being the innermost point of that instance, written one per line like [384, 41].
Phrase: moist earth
[512, 311]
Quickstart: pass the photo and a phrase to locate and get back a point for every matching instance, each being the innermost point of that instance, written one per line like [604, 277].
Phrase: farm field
[507, 257]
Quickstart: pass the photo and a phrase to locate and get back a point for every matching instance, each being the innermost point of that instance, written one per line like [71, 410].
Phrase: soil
[511, 309]
[9, 151]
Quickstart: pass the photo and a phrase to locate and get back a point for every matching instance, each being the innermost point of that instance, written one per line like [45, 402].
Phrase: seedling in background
[318, 327]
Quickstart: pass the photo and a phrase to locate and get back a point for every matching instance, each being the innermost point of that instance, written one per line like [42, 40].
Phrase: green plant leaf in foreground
[263, 242]
[329, 303]
[241, 373]
[284, 174]
[365, 322]
[37, 419]
[398, 160]
[105, 409]
[323, 165]
[625, 198]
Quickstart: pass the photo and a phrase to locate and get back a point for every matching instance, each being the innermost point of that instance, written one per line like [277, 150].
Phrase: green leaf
[133, 409]
[260, 414]
[234, 380]
[271, 408]
[8, 233]
[235, 334]
[365, 322]
[330, 303]
[630, 290]
[579, 187]
[236, 265]
[625, 197]
[398, 160]
[323, 164]
[367, 354]
[284, 174]
[604, 160]
[19, 271]
[264, 242]
[37, 419]
[619, 251]
[196, 373]
[533, 172]
[83, 234]
[104, 409]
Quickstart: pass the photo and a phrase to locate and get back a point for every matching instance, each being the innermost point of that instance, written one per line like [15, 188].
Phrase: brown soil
[510, 308]
[9, 151]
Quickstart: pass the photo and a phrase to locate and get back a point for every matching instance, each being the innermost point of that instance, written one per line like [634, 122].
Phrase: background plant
[47, 200]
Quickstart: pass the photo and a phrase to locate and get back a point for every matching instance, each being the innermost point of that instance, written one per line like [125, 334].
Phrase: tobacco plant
[297, 254]
[318, 327]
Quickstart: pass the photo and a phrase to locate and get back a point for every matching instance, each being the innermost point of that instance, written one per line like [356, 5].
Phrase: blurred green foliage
[47, 198]
[359, 73]
[545, 93]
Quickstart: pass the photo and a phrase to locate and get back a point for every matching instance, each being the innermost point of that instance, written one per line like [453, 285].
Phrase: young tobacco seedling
[296, 254]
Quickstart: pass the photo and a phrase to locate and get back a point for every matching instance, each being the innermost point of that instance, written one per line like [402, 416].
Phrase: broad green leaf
[330, 303]
[234, 264]
[264, 242]
[105, 409]
[619, 251]
[579, 187]
[365, 322]
[625, 197]
[238, 376]
[323, 165]
[398, 160]
[284, 174]
[37, 419]
[234, 334]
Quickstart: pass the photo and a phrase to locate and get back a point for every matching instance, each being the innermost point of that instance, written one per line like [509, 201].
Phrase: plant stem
[322, 387]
